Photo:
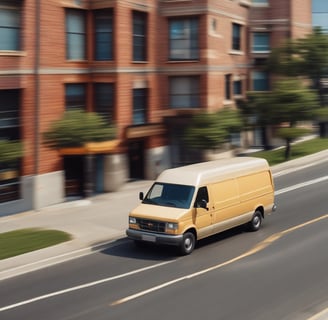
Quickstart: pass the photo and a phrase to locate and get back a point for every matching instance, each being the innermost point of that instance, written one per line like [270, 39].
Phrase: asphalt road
[277, 273]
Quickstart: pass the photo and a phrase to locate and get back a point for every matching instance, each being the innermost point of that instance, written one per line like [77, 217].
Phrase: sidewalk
[94, 223]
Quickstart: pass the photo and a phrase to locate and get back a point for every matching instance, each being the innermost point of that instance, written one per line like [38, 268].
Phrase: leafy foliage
[290, 102]
[10, 151]
[322, 114]
[306, 57]
[76, 128]
[210, 130]
[292, 133]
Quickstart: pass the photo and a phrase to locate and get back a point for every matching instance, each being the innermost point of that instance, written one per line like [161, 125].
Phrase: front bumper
[140, 235]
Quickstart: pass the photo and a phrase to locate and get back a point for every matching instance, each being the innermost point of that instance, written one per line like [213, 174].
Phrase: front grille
[151, 225]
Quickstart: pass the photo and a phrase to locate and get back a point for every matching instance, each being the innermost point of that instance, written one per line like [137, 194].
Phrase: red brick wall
[216, 59]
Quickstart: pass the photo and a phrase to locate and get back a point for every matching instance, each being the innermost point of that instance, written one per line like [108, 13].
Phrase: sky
[320, 13]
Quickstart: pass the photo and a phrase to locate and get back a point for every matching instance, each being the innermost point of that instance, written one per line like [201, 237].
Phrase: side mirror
[202, 204]
[141, 196]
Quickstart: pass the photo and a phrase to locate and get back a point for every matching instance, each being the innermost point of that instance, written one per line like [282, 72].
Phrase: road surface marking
[260, 246]
[323, 315]
[83, 286]
[301, 185]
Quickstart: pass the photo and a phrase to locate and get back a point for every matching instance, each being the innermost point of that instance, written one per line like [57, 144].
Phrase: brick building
[145, 65]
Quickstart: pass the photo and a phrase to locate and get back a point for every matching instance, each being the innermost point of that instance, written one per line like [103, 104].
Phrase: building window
[103, 20]
[261, 42]
[9, 114]
[10, 25]
[9, 130]
[237, 87]
[236, 36]
[260, 81]
[139, 36]
[104, 100]
[184, 92]
[75, 96]
[227, 86]
[140, 101]
[183, 40]
[75, 35]
[260, 1]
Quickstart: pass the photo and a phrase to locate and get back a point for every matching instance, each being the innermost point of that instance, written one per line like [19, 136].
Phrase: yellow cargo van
[189, 203]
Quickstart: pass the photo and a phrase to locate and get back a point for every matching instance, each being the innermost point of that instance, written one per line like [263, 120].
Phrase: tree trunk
[323, 129]
[288, 149]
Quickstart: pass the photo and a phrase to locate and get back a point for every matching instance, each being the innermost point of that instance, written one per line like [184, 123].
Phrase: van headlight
[171, 226]
[132, 220]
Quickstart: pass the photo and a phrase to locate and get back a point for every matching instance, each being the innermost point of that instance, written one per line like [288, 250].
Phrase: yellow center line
[260, 246]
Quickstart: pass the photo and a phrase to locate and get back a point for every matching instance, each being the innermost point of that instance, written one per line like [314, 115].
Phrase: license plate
[145, 237]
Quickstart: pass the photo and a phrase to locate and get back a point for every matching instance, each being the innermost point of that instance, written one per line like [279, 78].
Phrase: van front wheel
[256, 222]
[188, 243]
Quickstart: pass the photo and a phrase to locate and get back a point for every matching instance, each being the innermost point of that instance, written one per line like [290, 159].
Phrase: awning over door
[103, 147]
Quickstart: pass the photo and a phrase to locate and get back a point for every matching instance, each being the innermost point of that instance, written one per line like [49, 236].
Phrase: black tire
[256, 222]
[188, 243]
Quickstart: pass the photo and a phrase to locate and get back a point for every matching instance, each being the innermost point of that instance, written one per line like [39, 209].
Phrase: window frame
[139, 36]
[266, 46]
[188, 34]
[10, 129]
[190, 98]
[100, 89]
[103, 34]
[77, 101]
[81, 35]
[227, 86]
[139, 106]
[260, 2]
[237, 88]
[12, 29]
[236, 36]
[257, 79]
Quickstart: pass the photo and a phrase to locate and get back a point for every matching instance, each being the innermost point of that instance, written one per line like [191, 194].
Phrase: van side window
[202, 194]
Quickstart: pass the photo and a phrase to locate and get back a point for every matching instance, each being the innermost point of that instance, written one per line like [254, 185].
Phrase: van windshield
[170, 195]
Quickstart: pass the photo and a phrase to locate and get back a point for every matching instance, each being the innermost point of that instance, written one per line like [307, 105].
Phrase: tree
[10, 152]
[288, 103]
[306, 57]
[289, 134]
[210, 130]
[76, 128]
[257, 113]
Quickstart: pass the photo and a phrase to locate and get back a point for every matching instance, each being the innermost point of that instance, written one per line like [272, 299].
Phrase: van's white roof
[211, 171]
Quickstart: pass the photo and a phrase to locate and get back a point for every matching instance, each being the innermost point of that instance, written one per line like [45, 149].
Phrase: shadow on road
[148, 251]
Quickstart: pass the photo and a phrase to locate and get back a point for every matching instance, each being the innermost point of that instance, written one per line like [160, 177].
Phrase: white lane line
[301, 185]
[260, 246]
[83, 286]
[323, 315]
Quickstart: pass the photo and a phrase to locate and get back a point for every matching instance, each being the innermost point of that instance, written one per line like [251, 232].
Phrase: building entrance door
[136, 159]
[74, 175]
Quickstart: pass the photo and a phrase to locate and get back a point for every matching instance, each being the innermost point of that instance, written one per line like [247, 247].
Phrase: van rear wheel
[188, 243]
[256, 222]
